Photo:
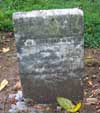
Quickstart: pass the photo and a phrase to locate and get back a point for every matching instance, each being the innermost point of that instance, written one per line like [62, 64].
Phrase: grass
[91, 14]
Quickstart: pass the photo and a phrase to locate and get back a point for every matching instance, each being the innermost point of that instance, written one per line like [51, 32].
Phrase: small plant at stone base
[68, 105]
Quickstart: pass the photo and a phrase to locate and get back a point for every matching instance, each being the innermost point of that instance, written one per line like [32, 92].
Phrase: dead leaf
[3, 84]
[90, 82]
[89, 59]
[48, 108]
[39, 107]
[17, 86]
[91, 101]
[5, 50]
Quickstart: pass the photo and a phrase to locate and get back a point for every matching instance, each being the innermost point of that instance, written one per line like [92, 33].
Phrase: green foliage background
[91, 10]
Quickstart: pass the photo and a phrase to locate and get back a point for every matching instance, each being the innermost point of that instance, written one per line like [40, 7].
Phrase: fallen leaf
[65, 103]
[90, 82]
[90, 101]
[91, 95]
[39, 107]
[48, 108]
[98, 108]
[17, 86]
[68, 105]
[89, 59]
[42, 107]
[76, 108]
[98, 111]
[3, 84]
[5, 50]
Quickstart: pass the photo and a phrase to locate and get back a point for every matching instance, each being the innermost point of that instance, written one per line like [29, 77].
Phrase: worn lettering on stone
[50, 52]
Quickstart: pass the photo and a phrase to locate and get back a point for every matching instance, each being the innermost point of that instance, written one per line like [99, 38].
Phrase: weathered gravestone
[50, 51]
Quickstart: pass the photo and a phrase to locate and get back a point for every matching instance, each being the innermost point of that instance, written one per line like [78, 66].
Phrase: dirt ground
[9, 70]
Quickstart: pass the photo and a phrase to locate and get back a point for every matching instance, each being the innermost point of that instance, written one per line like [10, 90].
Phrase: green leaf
[65, 103]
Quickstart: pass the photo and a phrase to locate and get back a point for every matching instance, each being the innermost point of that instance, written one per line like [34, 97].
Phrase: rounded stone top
[45, 13]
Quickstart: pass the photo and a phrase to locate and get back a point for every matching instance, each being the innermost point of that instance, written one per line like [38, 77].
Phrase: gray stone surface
[50, 49]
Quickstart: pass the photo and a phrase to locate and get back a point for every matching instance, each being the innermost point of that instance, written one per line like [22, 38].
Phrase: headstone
[50, 52]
